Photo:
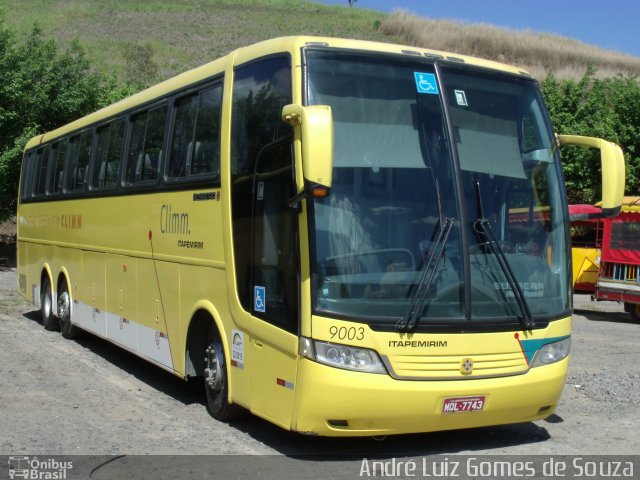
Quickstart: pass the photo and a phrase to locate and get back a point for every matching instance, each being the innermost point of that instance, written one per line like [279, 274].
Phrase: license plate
[463, 404]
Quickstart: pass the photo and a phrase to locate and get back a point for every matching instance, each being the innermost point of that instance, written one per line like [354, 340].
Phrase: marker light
[341, 356]
[552, 352]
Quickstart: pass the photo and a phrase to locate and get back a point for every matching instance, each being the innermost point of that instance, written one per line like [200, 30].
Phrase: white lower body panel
[140, 339]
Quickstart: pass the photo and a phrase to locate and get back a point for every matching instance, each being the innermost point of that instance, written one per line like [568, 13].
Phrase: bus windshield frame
[410, 149]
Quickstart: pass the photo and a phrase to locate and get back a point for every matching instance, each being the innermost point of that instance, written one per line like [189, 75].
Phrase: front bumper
[335, 402]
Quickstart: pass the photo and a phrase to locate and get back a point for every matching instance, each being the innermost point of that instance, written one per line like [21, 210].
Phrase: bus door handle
[258, 343]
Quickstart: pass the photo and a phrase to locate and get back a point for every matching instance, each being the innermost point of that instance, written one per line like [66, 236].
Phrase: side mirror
[313, 127]
[613, 170]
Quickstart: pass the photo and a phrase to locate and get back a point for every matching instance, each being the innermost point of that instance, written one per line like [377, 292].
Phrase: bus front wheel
[49, 320]
[634, 310]
[216, 384]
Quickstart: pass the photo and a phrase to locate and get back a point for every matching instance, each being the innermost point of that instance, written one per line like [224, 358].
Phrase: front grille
[449, 366]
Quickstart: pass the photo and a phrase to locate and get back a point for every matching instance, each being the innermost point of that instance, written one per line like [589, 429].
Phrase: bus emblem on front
[466, 366]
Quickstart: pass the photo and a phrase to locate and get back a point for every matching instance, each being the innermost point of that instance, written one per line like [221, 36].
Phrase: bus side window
[42, 164]
[195, 146]
[26, 180]
[186, 111]
[145, 145]
[59, 154]
[206, 158]
[107, 160]
[79, 162]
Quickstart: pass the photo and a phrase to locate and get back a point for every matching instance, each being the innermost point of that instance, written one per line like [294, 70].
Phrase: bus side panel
[24, 277]
[34, 269]
[72, 269]
[158, 310]
[121, 300]
[92, 315]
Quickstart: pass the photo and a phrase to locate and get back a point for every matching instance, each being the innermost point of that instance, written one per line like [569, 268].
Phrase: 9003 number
[346, 333]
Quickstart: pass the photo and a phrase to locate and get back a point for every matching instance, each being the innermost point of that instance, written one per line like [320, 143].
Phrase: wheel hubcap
[212, 374]
[63, 306]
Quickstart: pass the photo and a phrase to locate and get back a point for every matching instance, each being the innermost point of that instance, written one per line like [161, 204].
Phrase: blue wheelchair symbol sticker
[426, 83]
[259, 299]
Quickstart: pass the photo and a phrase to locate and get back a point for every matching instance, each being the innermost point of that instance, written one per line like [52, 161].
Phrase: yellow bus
[319, 229]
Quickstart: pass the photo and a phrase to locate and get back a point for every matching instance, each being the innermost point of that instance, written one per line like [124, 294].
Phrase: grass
[185, 33]
[536, 52]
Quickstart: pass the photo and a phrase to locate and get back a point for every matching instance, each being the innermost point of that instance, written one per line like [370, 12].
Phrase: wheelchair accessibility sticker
[426, 83]
[259, 299]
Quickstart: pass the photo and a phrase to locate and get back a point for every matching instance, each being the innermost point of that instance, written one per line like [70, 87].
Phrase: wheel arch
[204, 317]
[45, 273]
[63, 276]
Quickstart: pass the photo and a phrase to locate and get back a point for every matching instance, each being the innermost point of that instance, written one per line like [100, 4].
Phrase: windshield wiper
[482, 226]
[409, 322]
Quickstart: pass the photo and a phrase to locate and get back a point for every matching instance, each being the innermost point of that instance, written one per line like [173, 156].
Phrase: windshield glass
[394, 184]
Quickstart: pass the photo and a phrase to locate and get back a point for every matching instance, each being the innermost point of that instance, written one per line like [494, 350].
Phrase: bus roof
[282, 44]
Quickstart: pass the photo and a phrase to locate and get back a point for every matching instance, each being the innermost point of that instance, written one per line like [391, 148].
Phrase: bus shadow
[187, 393]
[301, 447]
[600, 316]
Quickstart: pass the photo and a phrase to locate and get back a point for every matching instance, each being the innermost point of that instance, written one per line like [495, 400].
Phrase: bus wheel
[64, 313]
[49, 320]
[634, 310]
[216, 385]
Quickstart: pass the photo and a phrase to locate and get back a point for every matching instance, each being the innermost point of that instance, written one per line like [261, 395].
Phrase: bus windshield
[415, 149]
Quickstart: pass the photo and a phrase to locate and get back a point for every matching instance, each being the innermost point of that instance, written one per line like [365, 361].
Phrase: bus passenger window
[145, 146]
[79, 162]
[182, 147]
[106, 170]
[206, 158]
[195, 147]
[59, 154]
[26, 183]
[42, 163]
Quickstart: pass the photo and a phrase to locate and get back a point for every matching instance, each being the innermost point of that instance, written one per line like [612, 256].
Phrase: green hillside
[176, 35]
[155, 39]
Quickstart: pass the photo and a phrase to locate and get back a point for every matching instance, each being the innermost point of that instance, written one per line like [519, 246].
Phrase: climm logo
[173, 222]
[66, 221]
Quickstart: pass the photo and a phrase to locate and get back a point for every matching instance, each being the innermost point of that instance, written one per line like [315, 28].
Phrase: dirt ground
[8, 243]
[89, 397]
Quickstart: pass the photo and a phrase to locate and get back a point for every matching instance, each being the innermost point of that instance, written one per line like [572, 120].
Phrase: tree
[42, 88]
[608, 108]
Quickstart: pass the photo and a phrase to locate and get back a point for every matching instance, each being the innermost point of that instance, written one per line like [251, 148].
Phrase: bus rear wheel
[64, 313]
[634, 310]
[49, 320]
[216, 384]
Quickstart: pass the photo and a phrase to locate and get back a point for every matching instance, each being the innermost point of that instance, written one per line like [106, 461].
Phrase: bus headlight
[552, 352]
[341, 356]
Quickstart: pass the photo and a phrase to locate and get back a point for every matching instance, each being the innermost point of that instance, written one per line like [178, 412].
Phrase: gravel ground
[89, 397]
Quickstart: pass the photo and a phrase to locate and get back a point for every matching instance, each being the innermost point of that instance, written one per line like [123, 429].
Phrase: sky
[611, 24]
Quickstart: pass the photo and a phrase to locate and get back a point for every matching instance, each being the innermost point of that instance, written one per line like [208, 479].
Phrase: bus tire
[634, 310]
[64, 313]
[49, 320]
[216, 385]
